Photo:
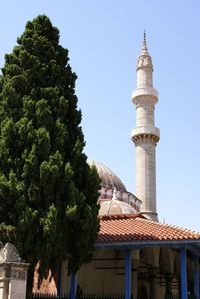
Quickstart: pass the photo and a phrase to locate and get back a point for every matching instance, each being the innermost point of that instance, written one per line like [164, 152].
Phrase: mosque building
[135, 254]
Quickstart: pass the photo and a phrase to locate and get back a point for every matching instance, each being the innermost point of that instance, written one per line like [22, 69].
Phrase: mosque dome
[108, 178]
[115, 207]
[114, 199]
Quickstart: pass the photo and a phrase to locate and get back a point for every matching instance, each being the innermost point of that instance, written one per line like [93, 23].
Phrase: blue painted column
[183, 274]
[196, 277]
[72, 293]
[127, 274]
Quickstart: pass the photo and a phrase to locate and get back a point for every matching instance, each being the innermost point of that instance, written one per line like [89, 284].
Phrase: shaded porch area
[142, 259]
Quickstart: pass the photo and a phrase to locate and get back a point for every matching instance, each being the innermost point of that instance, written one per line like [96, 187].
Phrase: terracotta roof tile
[136, 228]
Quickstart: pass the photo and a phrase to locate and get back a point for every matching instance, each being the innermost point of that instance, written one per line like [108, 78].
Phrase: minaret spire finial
[144, 59]
[144, 39]
[144, 44]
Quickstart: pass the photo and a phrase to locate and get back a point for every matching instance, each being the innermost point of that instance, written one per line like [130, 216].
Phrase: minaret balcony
[145, 131]
[147, 92]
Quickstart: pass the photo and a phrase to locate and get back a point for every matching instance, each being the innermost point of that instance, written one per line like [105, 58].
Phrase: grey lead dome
[108, 178]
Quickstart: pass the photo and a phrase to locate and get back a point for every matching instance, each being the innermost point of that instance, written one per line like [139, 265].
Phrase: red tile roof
[136, 228]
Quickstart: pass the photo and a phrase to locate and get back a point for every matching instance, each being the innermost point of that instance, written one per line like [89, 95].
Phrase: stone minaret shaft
[145, 135]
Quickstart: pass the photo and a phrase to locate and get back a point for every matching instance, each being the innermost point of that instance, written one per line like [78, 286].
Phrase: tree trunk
[30, 277]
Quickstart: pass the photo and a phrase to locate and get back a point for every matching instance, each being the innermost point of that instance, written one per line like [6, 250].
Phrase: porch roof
[136, 230]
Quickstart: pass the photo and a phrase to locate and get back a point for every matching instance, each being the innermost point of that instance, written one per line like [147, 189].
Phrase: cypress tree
[48, 193]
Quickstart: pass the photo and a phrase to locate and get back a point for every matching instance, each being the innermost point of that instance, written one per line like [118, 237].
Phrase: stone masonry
[13, 274]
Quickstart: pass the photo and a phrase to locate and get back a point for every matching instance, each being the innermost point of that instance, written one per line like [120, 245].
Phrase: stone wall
[13, 274]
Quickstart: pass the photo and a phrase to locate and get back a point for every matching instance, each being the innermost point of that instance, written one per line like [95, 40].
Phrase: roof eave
[150, 243]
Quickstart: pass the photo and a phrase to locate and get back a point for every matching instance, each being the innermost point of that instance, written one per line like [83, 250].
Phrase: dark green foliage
[48, 193]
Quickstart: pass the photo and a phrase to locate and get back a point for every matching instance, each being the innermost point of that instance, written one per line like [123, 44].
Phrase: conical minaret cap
[144, 59]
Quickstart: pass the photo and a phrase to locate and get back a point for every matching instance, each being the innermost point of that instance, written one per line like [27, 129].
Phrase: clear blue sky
[104, 40]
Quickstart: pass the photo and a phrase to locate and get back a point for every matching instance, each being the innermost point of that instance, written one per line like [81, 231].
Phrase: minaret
[145, 135]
